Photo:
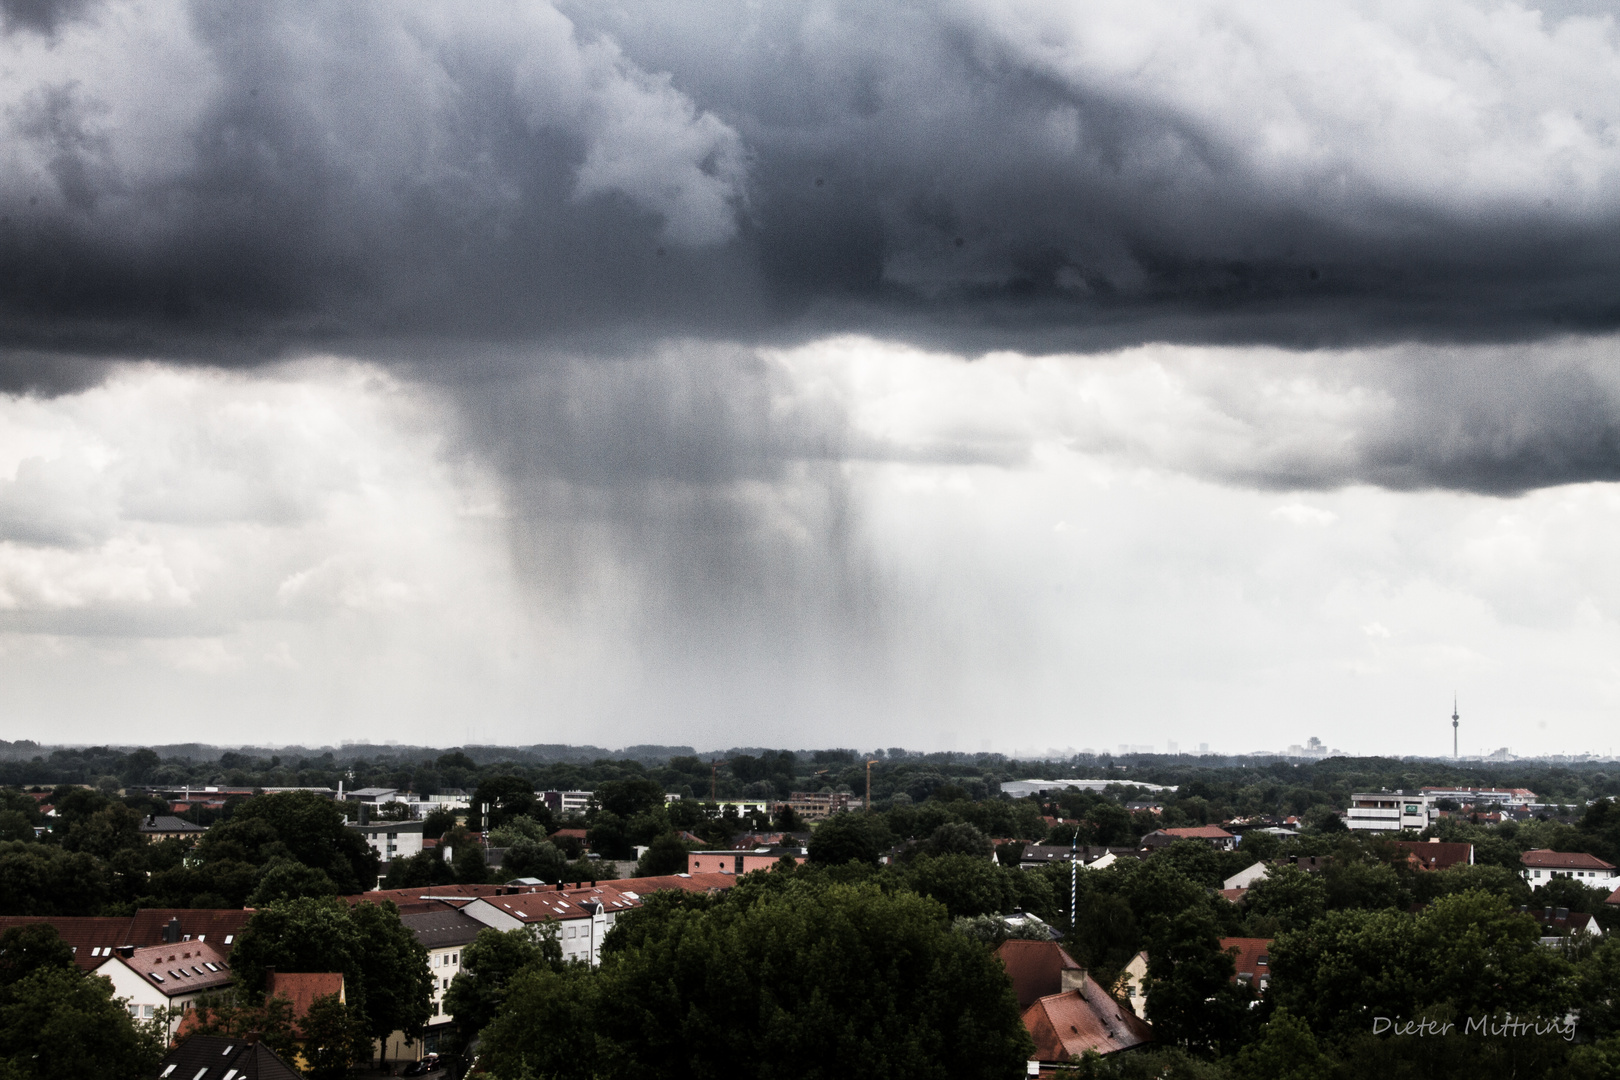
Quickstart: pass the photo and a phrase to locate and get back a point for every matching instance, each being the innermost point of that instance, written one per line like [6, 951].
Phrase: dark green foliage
[1285, 1050]
[534, 858]
[335, 1038]
[1470, 951]
[488, 967]
[424, 869]
[958, 838]
[1191, 999]
[965, 884]
[56, 1024]
[437, 821]
[846, 838]
[609, 836]
[296, 824]
[791, 976]
[665, 855]
[38, 879]
[506, 797]
[386, 978]
[629, 797]
[1288, 897]
[288, 879]
[27, 949]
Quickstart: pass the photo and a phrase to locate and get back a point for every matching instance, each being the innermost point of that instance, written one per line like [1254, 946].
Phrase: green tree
[334, 1038]
[665, 855]
[488, 966]
[958, 838]
[439, 820]
[34, 947]
[628, 797]
[849, 837]
[965, 884]
[1286, 1050]
[422, 870]
[787, 974]
[295, 824]
[39, 879]
[609, 836]
[288, 879]
[385, 969]
[1191, 1000]
[1288, 896]
[506, 797]
[56, 1024]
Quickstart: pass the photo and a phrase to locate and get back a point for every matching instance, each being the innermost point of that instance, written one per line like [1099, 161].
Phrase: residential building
[93, 938]
[740, 862]
[1480, 797]
[300, 989]
[165, 976]
[1245, 878]
[1065, 1011]
[1251, 961]
[1558, 925]
[1090, 857]
[1435, 854]
[444, 931]
[1215, 836]
[565, 803]
[820, 805]
[156, 827]
[584, 915]
[1390, 811]
[392, 839]
[1589, 870]
[209, 1057]
[373, 795]
[1132, 985]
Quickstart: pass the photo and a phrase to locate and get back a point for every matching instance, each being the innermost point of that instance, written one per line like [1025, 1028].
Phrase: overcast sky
[1002, 376]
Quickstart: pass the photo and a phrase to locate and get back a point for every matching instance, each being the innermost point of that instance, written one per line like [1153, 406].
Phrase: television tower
[1454, 719]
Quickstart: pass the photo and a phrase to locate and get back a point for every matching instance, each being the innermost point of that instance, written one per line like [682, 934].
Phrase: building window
[148, 1011]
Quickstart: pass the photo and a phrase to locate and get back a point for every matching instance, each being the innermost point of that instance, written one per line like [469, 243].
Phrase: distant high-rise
[1454, 719]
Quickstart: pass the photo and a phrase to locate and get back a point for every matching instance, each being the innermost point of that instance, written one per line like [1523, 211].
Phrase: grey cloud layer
[285, 176]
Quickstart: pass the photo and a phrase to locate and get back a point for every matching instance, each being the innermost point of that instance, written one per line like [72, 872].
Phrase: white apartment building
[583, 916]
[170, 976]
[1588, 870]
[1391, 811]
[444, 932]
[392, 839]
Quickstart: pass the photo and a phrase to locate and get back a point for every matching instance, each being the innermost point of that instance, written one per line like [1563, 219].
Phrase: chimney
[1072, 979]
[171, 932]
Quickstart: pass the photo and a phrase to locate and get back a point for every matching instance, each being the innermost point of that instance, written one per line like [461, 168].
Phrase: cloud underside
[1001, 176]
[508, 203]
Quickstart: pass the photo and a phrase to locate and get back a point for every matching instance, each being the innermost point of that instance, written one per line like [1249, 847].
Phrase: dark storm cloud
[363, 175]
[431, 185]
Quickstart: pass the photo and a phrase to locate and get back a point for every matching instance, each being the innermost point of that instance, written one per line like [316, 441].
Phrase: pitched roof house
[165, 976]
[1251, 961]
[1065, 1011]
[94, 938]
[1589, 870]
[1435, 854]
[209, 1057]
[1213, 835]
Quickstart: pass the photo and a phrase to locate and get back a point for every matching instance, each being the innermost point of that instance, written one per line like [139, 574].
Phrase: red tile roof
[1614, 897]
[1065, 1026]
[1234, 895]
[544, 905]
[704, 883]
[1248, 957]
[1035, 968]
[301, 988]
[182, 968]
[92, 938]
[1563, 860]
[1199, 832]
[1435, 855]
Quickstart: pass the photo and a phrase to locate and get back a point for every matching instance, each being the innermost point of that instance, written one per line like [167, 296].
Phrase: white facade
[1390, 811]
[169, 977]
[583, 916]
[392, 839]
[1245, 878]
